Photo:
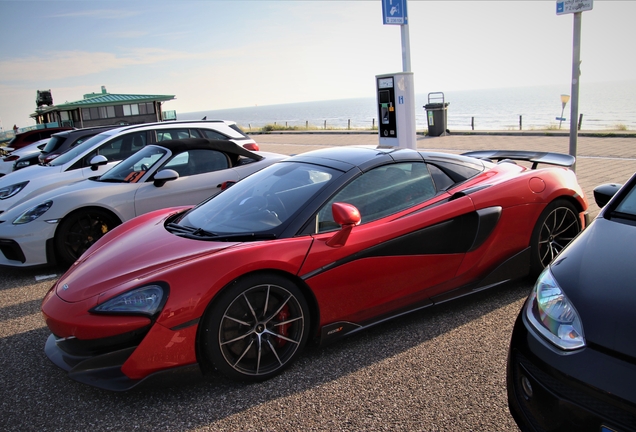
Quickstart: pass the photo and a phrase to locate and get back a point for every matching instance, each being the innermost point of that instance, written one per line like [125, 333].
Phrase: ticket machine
[396, 110]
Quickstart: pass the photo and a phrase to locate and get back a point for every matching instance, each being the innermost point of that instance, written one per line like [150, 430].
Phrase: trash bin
[436, 109]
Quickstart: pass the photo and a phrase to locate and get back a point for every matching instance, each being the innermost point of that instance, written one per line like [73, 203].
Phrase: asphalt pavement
[440, 369]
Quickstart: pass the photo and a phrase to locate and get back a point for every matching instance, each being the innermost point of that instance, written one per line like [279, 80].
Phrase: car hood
[29, 173]
[134, 251]
[598, 275]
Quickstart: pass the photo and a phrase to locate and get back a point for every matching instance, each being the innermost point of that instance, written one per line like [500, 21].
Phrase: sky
[217, 54]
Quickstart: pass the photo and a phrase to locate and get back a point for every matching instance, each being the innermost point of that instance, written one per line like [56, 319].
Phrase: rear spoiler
[536, 158]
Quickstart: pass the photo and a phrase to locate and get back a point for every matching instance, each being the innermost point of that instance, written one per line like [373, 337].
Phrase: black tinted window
[211, 134]
[381, 192]
[54, 143]
[441, 179]
[198, 161]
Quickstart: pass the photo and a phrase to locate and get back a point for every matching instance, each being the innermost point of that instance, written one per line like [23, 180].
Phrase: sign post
[575, 7]
[394, 12]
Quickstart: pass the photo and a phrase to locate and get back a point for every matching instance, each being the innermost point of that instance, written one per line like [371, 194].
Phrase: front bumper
[26, 245]
[113, 352]
[136, 358]
[551, 390]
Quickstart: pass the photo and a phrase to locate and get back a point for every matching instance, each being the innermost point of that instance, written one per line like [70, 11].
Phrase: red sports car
[315, 247]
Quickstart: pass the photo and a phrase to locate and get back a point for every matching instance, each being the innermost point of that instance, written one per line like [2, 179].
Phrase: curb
[550, 133]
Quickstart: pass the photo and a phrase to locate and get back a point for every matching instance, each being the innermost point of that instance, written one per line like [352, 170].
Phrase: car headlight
[33, 213]
[9, 191]
[553, 315]
[146, 300]
[22, 164]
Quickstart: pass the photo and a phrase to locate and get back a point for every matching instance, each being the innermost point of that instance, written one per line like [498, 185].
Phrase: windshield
[80, 149]
[260, 202]
[628, 205]
[132, 169]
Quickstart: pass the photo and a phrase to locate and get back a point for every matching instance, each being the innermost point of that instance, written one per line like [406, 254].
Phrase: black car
[62, 141]
[572, 358]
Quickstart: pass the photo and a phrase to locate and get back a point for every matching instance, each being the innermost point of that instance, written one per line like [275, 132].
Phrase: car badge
[65, 287]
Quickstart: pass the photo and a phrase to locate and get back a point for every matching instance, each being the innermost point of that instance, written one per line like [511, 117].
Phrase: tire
[256, 328]
[79, 230]
[557, 225]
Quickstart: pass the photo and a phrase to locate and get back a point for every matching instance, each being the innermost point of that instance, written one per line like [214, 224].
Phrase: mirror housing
[97, 161]
[226, 184]
[605, 192]
[347, 216]
[164, 176]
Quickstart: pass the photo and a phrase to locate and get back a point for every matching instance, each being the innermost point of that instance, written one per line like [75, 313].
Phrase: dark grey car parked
[62, 141]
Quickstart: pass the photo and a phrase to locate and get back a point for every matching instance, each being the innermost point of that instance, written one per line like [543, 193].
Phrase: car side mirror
[604, 193]
[226, 184]
[347, 216]
[164, 176]
[98, 161]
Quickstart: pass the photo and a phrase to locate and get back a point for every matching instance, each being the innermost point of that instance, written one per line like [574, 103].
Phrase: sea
[604, 106]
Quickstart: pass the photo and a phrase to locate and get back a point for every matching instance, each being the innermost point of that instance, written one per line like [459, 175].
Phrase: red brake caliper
[282, 329]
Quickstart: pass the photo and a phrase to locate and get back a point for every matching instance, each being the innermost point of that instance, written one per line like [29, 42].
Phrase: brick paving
[599, 159]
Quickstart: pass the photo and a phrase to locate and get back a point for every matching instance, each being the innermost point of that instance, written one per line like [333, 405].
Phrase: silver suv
[112, 146]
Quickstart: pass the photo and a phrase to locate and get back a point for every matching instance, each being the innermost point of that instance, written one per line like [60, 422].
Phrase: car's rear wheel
[557, 225]
[256, 328]
[79, 230]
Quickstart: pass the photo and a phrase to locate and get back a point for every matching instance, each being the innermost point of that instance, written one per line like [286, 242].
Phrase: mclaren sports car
[310, 249]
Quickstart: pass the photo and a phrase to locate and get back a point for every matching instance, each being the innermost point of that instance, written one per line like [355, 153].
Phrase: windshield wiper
[109, 180]
[201, 234]
[188, 231]
[242, 237]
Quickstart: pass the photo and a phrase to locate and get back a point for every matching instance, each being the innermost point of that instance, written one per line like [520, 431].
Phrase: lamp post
[564, 101]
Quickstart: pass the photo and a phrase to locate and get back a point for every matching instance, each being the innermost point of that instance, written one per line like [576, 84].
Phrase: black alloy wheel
[557, 226]
[79, 230]
[256, 328]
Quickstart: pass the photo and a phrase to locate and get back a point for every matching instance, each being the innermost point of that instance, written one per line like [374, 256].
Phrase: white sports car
[11, 162]
[116, 145]
[59, 225]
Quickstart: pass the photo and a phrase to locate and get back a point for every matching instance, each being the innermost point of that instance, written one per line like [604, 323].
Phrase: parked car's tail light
[11, 158]
[252, 146]
[147, 300]
[550, 312]
[49, 157]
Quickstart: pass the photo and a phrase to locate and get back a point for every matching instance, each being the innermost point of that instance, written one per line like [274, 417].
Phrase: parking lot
[440, 369]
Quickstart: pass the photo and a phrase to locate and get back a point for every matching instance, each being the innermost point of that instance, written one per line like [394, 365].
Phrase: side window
[441, 179]
[198, 161]
[81, 140]
[172, 134]
[122, 147]
[382, 191]
[212, 134]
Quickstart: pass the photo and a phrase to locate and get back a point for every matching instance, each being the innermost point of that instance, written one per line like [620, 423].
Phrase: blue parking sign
[394, 12]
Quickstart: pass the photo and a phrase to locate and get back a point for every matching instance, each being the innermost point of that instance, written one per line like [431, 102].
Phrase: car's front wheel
[256, 328]
[79, 230]
[557, 225]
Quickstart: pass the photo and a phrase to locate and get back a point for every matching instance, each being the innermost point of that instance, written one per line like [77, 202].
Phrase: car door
[396, 253]
[114, 150]
[201, 173]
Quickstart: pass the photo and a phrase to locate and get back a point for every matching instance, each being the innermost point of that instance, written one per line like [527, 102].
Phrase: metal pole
[406, 48]
[576, 72]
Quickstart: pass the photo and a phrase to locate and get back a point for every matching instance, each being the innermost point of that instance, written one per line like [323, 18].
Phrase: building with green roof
[100, 109]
